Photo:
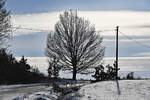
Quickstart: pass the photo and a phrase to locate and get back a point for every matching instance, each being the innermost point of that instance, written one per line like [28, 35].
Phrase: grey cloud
[139, 26]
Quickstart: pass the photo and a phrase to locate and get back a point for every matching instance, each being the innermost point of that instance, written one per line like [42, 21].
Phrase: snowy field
[113, 90]
[106, 90]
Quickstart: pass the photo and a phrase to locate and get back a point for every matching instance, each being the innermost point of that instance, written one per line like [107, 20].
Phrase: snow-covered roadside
[106, 90]
[46, 94]
[113, 90]
[50, 94]
[20, 85]
[37, 91]
[9, 92]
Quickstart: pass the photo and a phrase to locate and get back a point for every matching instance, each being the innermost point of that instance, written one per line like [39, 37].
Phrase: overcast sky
[133, 17]
[38, 6]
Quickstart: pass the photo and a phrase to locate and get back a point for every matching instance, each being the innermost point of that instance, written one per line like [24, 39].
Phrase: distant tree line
[13, 71]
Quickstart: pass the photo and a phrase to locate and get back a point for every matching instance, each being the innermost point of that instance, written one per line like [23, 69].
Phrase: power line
[42, 30]
[137, 42]
[31, 29]
[105, 30]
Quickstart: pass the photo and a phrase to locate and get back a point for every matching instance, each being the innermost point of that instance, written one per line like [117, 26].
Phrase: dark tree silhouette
[99, 73]
[130, 75]
[5, 24]
[13, 71]
[24, 65]
[75, 43]
[54, 68]
[111, 72]
[105, 73]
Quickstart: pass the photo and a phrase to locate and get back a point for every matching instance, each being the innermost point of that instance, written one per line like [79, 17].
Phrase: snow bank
[46, 94]
[20, 85]
[113, 90]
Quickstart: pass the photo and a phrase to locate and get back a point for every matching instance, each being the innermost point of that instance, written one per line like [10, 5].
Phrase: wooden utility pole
[117, 29]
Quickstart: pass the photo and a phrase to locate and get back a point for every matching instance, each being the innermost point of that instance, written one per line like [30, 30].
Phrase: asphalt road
[10, 94]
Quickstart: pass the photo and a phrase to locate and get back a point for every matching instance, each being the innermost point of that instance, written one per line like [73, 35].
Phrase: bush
[130, 75]
[65, 89]
[54, 68]
[99, 73]
[105, 74]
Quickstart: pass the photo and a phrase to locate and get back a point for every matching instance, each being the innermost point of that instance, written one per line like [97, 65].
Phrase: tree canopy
[5, 23]
[75, 43]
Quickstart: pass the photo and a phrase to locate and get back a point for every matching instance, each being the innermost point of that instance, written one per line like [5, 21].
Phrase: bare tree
[5, 24]
[75, 43]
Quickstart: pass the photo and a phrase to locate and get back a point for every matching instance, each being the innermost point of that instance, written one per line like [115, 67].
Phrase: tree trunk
[74, 73]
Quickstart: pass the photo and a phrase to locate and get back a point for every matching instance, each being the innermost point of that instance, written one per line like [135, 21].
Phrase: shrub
[130, 75]
[105, 74]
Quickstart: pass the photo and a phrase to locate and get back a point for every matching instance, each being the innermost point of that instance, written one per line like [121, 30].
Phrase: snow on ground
[46, 94]
[20, 85]
[49, 94]
[113, 90]
[105, 90]
[9, 92]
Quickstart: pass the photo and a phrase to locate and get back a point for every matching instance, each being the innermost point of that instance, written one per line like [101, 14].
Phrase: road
[11, 93]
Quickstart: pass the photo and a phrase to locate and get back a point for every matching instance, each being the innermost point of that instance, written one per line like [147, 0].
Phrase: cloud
[125, 63]
[141, 26]
[143, 54]
[131, 63]
[33, 44]
[33, 23]
[128, 40]
[103, 20]
[39, 62]
[28, 45]
[29, 6]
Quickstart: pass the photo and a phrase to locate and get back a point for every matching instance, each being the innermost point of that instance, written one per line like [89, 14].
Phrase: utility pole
[117, 29]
